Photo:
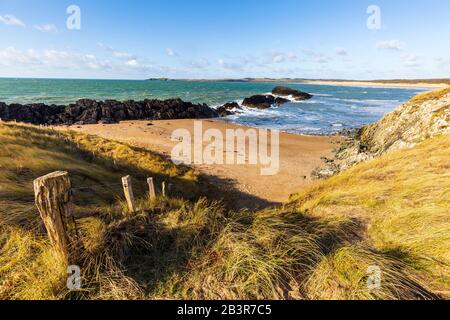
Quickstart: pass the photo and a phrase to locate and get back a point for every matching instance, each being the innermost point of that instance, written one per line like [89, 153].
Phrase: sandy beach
[299, 155]
[418, 85]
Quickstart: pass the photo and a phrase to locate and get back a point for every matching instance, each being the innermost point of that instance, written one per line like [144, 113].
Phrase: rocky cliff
[424, 116]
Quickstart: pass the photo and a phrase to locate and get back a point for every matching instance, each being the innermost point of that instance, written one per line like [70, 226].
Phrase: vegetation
[391, 213]
[430, 95]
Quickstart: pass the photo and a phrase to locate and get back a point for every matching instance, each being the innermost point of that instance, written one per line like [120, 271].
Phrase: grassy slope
[96, 167]
[390, 212]
[402, 201]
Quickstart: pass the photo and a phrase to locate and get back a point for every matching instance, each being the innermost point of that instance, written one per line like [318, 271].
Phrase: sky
[140, 39]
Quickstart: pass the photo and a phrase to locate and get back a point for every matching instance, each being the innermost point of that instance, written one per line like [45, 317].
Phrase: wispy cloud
[11, 56]
[60, 59]
[280, 57]
[395, 45]
[123, 55]
[411, 60]
[317, 57]
[11, 20]
[341, 52]
[46, 28]
[231, 65]
[171, 52]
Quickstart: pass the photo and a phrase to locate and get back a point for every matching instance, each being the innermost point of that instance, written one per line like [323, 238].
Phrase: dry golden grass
[391, 212]
[430, 95]
[403, 200]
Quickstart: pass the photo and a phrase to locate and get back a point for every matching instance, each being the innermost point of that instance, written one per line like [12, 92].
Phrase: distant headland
[412, 83]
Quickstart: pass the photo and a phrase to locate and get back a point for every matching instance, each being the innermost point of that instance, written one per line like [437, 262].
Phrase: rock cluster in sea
[279, 96]
[297, 95]
[88, 111]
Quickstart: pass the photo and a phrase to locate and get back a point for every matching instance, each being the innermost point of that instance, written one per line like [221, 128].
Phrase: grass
[403, 199]
[391, 213]
[430, 95]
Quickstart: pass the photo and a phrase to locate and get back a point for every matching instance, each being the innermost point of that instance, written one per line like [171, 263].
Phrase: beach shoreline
[371, 84]
[299, 156]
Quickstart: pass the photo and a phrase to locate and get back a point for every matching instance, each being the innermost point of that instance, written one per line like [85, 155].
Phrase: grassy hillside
[401, 202]
[391, 212]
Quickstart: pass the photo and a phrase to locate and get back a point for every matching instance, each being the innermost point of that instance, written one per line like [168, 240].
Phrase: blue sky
[225, 38]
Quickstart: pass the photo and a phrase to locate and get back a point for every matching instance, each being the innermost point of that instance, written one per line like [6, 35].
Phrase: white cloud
[232, 65]
[132, 63]
[171, 52]
[58, 59]
[12, 56]
[199, 64]
[116, 53]
[123, 55]
[341, 52]
[442, 62]
[390, 45]
[411, 60]
[280, 57]
[316, 56]
[46, 28]
[11, 20]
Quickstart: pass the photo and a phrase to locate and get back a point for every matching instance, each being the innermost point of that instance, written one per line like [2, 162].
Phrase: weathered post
[128, 190]
[163, 189]
[53, 200]
[151, 188]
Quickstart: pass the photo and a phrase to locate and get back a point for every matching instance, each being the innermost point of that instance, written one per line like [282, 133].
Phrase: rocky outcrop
[259, 101]
[228, 109]
[424, 116]
[279, 101]
[288, 92]
[88, 111]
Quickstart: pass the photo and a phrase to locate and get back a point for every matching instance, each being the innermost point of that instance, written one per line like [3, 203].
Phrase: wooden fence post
[128, 190]
[163, 189]
[53, 200]
[151, 188]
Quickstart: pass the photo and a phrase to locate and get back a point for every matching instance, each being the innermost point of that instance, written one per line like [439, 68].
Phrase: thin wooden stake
[53, 200]
[151, 188]
[163, 189]
[128, 190]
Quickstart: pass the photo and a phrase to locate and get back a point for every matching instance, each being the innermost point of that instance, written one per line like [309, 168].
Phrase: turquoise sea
[332, 109]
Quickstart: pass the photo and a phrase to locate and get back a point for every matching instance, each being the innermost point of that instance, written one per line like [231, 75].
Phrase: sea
[332, 110]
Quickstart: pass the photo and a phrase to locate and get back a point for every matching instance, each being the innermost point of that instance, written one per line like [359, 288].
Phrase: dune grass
[391, 213]
[430, 95]
[403, 199]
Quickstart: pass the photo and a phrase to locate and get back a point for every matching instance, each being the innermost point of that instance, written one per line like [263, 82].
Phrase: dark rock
[227, 109]
[87, 111]
[223, 112]
[232, 106]
[259, 101]
[279, 101]
[296, 94]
